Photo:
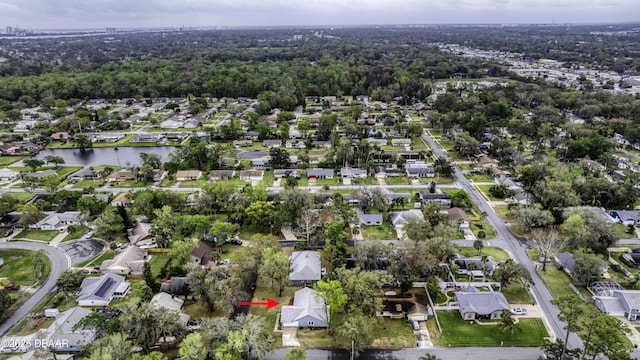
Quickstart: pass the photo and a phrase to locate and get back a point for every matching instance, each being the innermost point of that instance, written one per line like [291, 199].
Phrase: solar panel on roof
[105, 287]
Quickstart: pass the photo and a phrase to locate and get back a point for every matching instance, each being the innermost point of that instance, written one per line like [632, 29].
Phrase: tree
[258, 339]
[571, 309]
[90, 205]
[5, 300]
[530, 216]
[70, 280]
[275, 269]
[584, 229]
[260, 213]
[32, 163]
[113, 347]
[604, 334]
[219, 287]
[334, 297]
[279, 158]
[478, 245]
[192, 348]
[99, 323]
[50, 183]
[355, 333]
[557, 350]
[460, 198]
[361, 288]
[31, 214]
[223, 230]
[234, 348]
[510, 271]
[109, 223]
[308, 222]
[83, 142]
[369, 197]
[335, 249]
[399, 202]
[587, 269]
[547, 244]
[443, 167]
[501, 191]
[149, 279]
[154, 355]
[290, 182]
[53, 159]
[146, 323]
[507, 322]
[164, 226]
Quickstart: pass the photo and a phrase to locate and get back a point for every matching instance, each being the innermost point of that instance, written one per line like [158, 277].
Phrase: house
[54, 221]
[121, 200]
[620, 303]
[39, 174]
[62, 336]
[272, 143]
[320, 173]
[280, 173]
[565, 261]
[305, 267]
[169, 302]
[202, 254]
[173, 123]
[10, 220]
[400, 142]
[625, 217]
[86, 174]
[121, 175]
[467, 265]
[308, 310]
[251, 175]
[109, 137]
[353, 173]
[418, 312]
[139, 235]
[129, 261]
[99, 291]
[217, 175]
[176, 286]
[487, 162]
[321, 144]
[8, 174]
[457, 214]
[146, 138]
[368, 219]
[440, 198]
[58, 136]
[481, 305]
[418, 169]
[188, 175]
[192, 124]
[512, 184]
[401, 218]
[383, 172]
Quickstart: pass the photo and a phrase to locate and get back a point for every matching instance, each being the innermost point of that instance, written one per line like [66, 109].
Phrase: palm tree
[117, 149]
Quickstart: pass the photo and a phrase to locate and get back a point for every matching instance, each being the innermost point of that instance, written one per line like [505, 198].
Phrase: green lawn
[488, 230]
[622, 232]
[392, 333]
[19, 267]
[516, 294]
[21, 197]
[485, 191]
[557, 281]
[8, 160]
[397, 180]
[158, 261]
[262, 293]
[132, 184]
[235, 253]
[493, 251]
[457, 332]
[77, 233]
[42, 235]
[107, 255]
[379, 232]
[89, 183]
[418, 144]
[194, 183]
[479, 177]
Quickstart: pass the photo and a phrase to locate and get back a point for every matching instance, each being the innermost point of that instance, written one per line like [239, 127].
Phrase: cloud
[131, 13]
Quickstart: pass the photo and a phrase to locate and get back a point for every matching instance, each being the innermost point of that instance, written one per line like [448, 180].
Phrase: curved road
[59, 261]
[540, 291]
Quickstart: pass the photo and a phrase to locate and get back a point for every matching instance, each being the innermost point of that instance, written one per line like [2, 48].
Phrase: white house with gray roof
[320, 173]
[353, 173]
[475, 304]
[305, 267]
[55, 221]
[369, 219]
[99, 291]
[621, 303]
[308, 310]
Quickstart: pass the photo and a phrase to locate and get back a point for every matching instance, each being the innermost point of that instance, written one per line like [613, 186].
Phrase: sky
[71, 14]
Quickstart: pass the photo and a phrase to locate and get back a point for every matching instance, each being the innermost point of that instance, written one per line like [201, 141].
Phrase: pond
[124, 156]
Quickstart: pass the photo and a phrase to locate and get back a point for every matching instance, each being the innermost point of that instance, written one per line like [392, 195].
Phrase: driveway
[83, 250]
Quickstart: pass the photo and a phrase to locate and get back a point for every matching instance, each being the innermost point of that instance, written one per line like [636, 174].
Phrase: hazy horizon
[72, 14]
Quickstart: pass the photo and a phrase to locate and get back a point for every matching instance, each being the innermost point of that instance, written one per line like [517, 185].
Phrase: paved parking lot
[83, 250]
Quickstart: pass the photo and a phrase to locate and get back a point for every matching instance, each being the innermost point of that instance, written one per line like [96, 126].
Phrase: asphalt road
[414, 354]
[59, 261]
[540, 291]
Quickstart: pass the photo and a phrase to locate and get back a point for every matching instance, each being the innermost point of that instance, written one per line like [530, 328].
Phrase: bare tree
[547, 243]
[308, 223]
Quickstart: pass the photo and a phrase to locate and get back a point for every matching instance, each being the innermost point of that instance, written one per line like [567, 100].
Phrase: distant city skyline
[73, 14]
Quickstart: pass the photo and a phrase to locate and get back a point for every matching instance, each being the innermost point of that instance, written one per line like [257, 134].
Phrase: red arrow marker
[269, 303]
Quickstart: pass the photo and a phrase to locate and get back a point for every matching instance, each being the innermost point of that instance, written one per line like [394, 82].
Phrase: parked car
[234, 241]
[12, 287]
[416, 325]
[8, 232]
[519, 311]
[88, 235]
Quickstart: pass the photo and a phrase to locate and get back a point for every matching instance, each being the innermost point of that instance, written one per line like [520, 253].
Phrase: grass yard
[107, 255]
[379, 232]
[392, 333]
[132, 184]
[517, 294]
[366, 181]
[77, 233]
[493, 251]
[19, 267]
[479, 177]
[235, 253]
[42, 235]
[89, 183]
[397, 180]
[418, 144]
[485, 190]
[262, 293]
[22, 198]
[457, 332]
[157, 262]
[8, 160]
[484, 225]
[194, 183]
[557, 281]
[132, 298]
[622, 232]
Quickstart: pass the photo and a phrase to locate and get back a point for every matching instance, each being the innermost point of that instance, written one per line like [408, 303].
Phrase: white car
[88, 235]
[519, 311]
